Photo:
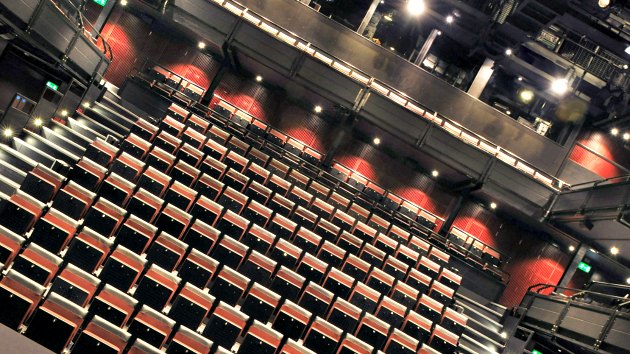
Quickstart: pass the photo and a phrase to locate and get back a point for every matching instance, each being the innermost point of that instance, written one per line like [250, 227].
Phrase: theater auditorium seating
[170, 240]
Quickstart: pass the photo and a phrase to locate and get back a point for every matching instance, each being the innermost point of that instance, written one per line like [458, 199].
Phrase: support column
[483, 77]
[452, 215]
[579, 255]
[368, 16]
[346, 123]
[216, 81]
[106, 11]
[426, 47]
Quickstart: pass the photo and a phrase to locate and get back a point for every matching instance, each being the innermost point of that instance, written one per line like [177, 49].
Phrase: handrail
[542, 286]
[595, 183]
[391, 93]
[81, 22]
[592, 283]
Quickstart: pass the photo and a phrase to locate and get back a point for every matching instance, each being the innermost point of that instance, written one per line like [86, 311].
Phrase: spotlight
[626, 136]
[571, 248]
[614, 251]
[38, 122]
[7, 132]
[123, 2]
[449, 19]
[603, 3]
[86, 104]
[614, 131]
[435, 173]
[64, 113]
[415, 7]
[377, 141]
[201, 45]
[560, 86]
[526, 95]
[628, 280]
[318, 109]
[503, 335]
[258, 78]
[520, 78]
[493, 205]
[508, 51]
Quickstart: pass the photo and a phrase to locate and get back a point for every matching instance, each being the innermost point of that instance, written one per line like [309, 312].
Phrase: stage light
[201, 45]
[614, 251]
[571, 248]
[450, 19]
[614, 131]
[508, 52]
[493, 205]
[415, 7]
[435, 173]
[7, 132]
[560, 86]
[38, 122]
[318, 109]
[377, 141]
[259, 78]
[526, 95]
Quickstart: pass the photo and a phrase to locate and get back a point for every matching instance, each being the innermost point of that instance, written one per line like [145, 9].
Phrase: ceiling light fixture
[493, 205]
[415, 7]
[259, 78]
[318, 109]
[560, 86]
[435, 173]
[377, 141]
[201, 45]
[614, 250]
[614, 131]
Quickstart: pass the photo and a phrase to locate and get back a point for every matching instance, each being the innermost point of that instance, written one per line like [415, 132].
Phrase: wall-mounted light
[259, 78]
[603, 3]
[123, 2]
[571, 248]
[38, 122]
[493, 205]
[318, 109]
[626, 136]
[7, 132]
[509, 52]
[526, 95]
[64, 113]
[435, 173]
[614, 131]
[86, 104]
[201, 45]
[376, 141]
[614, 250]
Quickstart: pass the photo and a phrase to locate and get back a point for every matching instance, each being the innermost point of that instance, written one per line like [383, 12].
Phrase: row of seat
[78, 206]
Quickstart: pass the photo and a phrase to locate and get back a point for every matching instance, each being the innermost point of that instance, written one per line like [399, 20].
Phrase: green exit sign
[584, 267]
[536, 352]
[101, 2]
[51, 85]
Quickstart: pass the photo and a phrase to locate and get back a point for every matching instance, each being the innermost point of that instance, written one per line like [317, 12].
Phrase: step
[99, 111]
[63, 142]
[33, 152]
[7, 186]
[16, 159]
[480, 307]
[71, 134]
[489, 332]
[120, 109]
[96, 126]
[85, 130]
[473, 346]
[50, 148]
[11, 172]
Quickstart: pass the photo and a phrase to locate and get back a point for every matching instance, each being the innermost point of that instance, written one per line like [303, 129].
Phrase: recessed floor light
[38, 122]
[7, 132]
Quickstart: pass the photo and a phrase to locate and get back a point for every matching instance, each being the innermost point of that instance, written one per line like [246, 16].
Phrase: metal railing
[400, 98]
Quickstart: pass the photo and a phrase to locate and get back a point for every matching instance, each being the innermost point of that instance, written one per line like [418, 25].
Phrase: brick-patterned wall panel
[532, 261]
[249, 96]
[481, 223]
[127, 35]
[304, 126]
[609, 147]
